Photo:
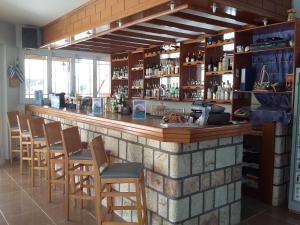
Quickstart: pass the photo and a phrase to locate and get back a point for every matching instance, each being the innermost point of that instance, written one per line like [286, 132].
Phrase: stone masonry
[186, 184]
[281, 176]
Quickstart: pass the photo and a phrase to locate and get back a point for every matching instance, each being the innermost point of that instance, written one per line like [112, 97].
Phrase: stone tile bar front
[187, 183]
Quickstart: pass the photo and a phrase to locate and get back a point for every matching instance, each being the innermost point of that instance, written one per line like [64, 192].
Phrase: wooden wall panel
[93, 14]
[98, 12]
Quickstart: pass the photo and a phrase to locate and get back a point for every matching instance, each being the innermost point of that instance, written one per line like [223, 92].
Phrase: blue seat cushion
[39, 139]
[84, 154]
[122, 170]
[58, 146]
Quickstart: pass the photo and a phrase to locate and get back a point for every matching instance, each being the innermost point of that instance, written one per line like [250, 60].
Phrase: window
[84, 77]
[103, 78]
[35, 75]
[61, 75]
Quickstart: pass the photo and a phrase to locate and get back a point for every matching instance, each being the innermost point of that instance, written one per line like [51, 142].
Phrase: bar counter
[192, 175]
[149, 128]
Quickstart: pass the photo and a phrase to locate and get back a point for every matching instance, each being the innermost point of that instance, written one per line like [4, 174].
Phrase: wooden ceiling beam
[72, 48]
[201, 19]
[161, 31]
[113, 42]
[240, 16]
[104, 45]
[144, 36]
[181, 26]
[131, 39]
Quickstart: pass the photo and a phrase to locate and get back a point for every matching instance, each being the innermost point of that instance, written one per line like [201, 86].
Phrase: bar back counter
[193, 175]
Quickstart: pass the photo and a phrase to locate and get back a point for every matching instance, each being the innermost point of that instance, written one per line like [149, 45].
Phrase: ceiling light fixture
[172, 5]
[119, 23]
[214, 7]
[265, 21]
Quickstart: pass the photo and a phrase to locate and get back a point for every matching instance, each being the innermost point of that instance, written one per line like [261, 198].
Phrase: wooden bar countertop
[149, 128]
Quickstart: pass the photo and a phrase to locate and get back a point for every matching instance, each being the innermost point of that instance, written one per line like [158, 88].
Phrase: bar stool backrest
[22, 122]
[100, 158]
[71, 140]
[12, 119]
[52, 133]
[35, 126]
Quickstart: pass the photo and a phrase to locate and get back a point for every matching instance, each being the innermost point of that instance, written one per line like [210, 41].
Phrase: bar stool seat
[122, 170]
[39, 139]
[57, 147]
[83, 154]
[15, 128]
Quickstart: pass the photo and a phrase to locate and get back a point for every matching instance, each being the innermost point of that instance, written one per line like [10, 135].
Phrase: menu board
[98, 105]
[139, 109]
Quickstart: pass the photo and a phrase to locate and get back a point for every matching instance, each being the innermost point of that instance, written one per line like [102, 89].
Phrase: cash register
[216, 113]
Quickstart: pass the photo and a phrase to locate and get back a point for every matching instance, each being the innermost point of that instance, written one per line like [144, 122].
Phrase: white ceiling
[36, 12]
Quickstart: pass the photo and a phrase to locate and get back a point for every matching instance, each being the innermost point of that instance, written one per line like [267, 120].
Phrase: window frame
[46, 78]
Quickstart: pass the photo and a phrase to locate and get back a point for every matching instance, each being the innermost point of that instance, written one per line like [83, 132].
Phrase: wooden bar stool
[25, 142]
[38, 147]
[13, 134]
[56, 151]
[105, 175]
[78, 161]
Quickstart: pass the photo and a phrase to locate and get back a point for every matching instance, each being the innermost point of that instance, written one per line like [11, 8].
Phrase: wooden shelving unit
[264, 137]
[119, 61]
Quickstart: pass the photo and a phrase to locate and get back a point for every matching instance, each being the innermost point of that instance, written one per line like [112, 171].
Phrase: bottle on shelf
[187, 58]
[200, 56]
[220, 64]
[193, 58]
[176, 68]
[225, 62]
[177, 91]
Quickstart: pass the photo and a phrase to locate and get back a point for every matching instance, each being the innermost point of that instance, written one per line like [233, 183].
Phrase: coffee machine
[216, 113]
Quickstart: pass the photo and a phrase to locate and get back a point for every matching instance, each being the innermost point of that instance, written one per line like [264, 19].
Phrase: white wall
[296, 5]
[9, 97]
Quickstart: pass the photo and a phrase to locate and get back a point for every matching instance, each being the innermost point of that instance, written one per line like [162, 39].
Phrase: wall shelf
[219, 44]
[193, 63]
[265, 50]
[219, 73]
[264, 92]
[217, 101]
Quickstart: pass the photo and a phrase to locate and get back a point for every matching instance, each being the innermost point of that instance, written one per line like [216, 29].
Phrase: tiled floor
[255, 212]
[20, 204]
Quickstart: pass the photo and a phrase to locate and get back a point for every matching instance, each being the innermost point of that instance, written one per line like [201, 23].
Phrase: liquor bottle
[193, 58]
[172, 92]
[211, 63]
[220, 64]
[187, 58]
[225, 62]
[176, 68]
[177, 91]
[200, 56]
